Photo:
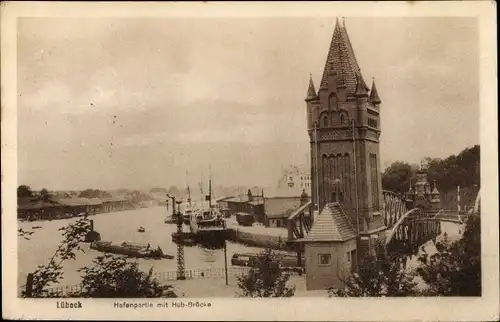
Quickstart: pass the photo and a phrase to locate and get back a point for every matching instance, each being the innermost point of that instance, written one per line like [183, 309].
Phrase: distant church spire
[374, 98]
[311, 91]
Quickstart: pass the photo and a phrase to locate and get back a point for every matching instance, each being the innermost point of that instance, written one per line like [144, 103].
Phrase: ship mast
[188, 189]
[210, 187]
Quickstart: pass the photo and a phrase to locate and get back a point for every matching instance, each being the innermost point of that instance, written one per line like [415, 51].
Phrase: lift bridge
[407, 229]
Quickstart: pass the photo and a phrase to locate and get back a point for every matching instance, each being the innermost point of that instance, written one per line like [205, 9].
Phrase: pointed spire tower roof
[361, 88]
[341, 61]
[311, 91]
[374, 98]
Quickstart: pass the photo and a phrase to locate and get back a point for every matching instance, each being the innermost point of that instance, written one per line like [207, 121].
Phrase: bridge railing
[394, 207]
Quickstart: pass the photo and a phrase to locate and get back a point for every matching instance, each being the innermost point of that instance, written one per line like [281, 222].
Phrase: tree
[455, 270]
[378, 278]
[52, 273]
[266, 279]
[94, 193]
[456, 170]
[24, 191]
[397, 177]
[44, 194]
[116, 277]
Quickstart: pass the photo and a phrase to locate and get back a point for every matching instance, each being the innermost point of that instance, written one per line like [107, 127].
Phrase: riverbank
[72, 215]
[256, 240]
[257, 236]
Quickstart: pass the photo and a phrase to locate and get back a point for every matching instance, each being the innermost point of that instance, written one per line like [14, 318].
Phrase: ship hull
[107, 247]
[211, 237]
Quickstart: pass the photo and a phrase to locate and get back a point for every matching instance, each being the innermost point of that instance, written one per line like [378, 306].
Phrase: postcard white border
[485, 308]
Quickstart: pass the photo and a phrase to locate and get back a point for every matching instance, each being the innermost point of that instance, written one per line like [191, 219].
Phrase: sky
[135, 103]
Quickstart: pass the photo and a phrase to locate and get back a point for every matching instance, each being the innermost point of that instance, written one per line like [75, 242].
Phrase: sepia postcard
[251, 161]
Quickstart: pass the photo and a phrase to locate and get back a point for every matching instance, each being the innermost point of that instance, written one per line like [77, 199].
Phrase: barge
[130, 249]
[286, 262]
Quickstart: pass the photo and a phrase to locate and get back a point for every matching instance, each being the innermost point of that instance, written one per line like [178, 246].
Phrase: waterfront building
[278, 209]
[293, 180]
[37, 208]
[343, 124]
[251, 203]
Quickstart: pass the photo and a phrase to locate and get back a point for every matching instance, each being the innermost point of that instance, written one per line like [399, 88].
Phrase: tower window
[372, 122]
[333, 102]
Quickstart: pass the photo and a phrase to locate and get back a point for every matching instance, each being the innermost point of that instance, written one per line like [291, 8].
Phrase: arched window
[342, 118]
[325, 121]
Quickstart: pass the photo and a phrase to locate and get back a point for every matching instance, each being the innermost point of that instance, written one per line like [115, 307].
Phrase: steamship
[207, 223]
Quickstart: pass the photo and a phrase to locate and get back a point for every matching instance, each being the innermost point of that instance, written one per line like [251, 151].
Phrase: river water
[118, 227]
[122, 226]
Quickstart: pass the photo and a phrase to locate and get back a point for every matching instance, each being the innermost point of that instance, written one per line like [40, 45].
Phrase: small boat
[36, 227]
[130, 249]
[141, 229]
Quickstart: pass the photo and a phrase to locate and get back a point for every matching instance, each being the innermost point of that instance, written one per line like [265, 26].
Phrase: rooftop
[281, 206]
[341, 61]
[332, 225]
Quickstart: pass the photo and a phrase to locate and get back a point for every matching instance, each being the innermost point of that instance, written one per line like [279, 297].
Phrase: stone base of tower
[329, 263]
[371, 243]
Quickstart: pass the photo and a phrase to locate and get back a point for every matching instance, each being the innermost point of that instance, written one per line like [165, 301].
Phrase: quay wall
[257, 240]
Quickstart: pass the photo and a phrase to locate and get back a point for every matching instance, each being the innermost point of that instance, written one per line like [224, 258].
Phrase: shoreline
[70, 216]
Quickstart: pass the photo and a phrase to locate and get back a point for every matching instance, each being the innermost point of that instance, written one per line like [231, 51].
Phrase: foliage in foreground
[455, 270]
[116, 277]
[378, 278]
[52, 273]
[109, 276]
[267, 279]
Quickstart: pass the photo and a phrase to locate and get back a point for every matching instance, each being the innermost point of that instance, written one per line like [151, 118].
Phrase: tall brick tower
[343, 123]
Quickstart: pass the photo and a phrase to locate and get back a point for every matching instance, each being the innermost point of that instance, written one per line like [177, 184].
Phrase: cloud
[127, 96]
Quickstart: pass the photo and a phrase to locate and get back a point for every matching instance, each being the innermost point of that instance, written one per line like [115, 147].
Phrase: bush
[455, 270]
[267, 279]
[378, 278]
[113, 276]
